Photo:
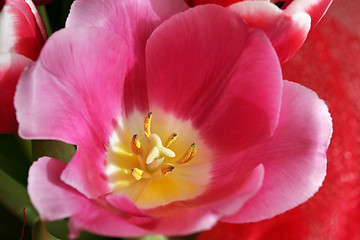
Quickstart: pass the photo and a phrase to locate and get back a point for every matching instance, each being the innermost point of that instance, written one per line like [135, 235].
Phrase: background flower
[22, 36]
[334, 73]
[286, 23]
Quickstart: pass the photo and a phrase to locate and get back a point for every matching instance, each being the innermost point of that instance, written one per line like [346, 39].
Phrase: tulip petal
[315, 8]
[294, 158]
[134, 21]
[203, 65]
[11, 67]
[286, 32]
[52, 198]
[21, 23]
[109, 222]
[78, 88]
[62, 97]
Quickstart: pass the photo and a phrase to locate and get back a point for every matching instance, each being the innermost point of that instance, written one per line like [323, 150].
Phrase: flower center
[155, 161]
[153, 156]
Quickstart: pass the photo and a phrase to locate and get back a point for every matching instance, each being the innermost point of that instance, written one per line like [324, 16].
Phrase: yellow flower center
[154, 167]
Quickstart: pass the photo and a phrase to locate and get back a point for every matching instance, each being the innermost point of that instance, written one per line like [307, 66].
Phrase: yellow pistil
[136, 145]
[166, 168]
[137, 173]
[188, 155]
[171, 139]
[147, 125]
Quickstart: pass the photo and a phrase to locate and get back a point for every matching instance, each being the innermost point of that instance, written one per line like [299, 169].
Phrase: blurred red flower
[328, 63]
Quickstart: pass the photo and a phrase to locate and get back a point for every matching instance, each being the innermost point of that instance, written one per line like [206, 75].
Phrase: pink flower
[22, 36]
[286, 23]
[227, 139]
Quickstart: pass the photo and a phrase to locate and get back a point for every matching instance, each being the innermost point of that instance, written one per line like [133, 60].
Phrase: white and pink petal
[11, 67]
[21, 28]
[286, 32]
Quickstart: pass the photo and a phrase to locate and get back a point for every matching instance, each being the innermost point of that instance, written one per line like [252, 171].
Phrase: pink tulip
[227, 139]
[22, 36]
[286, 23]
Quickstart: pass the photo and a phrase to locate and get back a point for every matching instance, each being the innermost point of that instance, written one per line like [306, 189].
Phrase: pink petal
[125, 220]
[23, 30]
[221, 199]
[85, 172]
[62, 95]
[203, 65]
[51, 197]
[55, 200]
[286, 32]
[134, 21]
[186, 222]
[245, 191]
[294, 158]
[11, 66]
[124, 204]
[101, 220]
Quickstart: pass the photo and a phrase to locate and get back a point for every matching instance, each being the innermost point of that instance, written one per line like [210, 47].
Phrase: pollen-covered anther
[189, 154]
[171, 139]
[136, 145]
[166, 168]
[137, 173]
[147, 125]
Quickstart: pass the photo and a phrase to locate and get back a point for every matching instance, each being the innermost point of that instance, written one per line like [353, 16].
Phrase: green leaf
[51, 148]
[14, 197]
[39, 232]
[14, 159]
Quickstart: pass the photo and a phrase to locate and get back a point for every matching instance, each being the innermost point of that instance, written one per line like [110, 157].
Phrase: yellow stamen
[166, 168]
[189, 154]
[136, 145]
[147, 125]
[171, 139]
[137, 173]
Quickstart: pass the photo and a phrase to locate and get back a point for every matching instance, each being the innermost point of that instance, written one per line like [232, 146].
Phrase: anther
[166, 168]
[171, 139]
[137, 173]
[147, 125]
[136, 145]
[189, 154]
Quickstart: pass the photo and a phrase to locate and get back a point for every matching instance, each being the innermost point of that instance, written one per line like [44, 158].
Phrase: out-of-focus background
[328, 63]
